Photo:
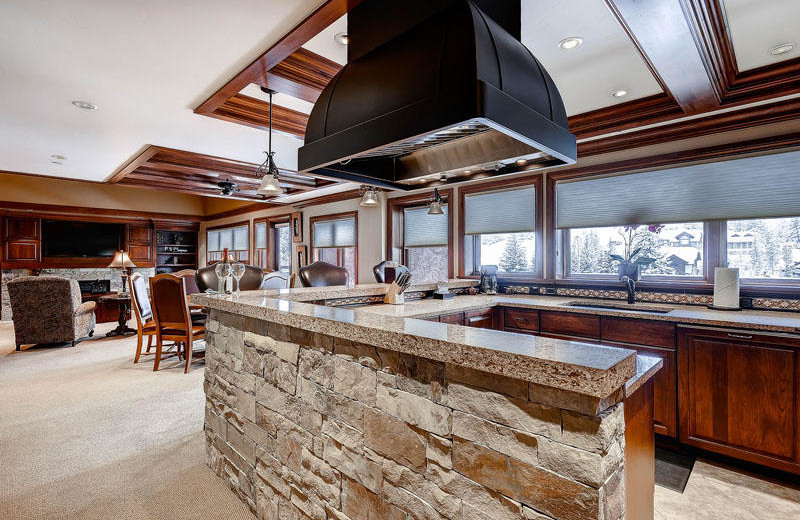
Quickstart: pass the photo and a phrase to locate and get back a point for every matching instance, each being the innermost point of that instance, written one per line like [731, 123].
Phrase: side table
[124, 302]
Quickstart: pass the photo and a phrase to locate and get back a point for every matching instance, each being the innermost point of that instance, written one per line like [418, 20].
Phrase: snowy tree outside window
[511, 252]
[765, 248]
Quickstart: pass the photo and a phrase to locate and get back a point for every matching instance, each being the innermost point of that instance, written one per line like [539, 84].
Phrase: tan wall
[47, 190]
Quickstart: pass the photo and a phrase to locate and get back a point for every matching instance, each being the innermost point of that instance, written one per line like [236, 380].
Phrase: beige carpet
[86, 434]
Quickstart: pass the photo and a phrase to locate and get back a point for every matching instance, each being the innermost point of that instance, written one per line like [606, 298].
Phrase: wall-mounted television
[77, 239]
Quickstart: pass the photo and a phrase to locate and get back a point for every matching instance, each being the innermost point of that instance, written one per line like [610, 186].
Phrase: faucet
[630, 285]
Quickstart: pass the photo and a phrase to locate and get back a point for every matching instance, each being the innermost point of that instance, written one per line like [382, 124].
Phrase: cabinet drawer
[481, 318]
[456, 318]
[640, 332]
[525, 319]
[570, 324]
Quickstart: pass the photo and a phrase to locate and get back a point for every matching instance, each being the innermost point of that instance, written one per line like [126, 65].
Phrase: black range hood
[435, 91]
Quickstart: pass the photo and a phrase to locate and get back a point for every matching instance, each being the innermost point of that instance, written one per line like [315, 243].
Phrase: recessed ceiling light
[342, 38]
[59, 157]
[781, 49]
[620, 93]
[467, 171]
[521, 161]
[84, 105]
[573, 42]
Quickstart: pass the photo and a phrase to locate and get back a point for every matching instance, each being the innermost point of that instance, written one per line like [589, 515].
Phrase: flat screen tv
[75, 239]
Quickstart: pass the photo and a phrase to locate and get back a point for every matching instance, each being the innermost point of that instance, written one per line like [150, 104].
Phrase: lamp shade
[270, 186]
[370, 198]
[121, 260]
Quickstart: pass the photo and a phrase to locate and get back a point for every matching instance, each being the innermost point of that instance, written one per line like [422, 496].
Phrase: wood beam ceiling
[303, 75]
[198, 174]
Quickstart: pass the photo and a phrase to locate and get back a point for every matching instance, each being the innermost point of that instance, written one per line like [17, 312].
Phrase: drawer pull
[740, 336]
[473, 319]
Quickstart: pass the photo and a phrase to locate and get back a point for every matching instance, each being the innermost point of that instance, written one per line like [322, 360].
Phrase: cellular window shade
[423, 230]
[241, 238]
[335, 233]
[752, 187]
[225, 239]
[507, 211]
[212, 241]
[260, 230]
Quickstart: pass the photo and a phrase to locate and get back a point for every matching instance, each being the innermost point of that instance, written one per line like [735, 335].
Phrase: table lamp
[123, 261]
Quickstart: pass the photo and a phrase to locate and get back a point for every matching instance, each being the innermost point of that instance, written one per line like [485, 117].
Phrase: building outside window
[235, 238]
[677, 249]
[334, 240]
[499, 229]
[425, 244]
[764, 248]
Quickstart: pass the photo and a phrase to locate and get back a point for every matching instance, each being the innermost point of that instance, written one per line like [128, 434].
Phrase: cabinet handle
[473, 319]
[740, 336]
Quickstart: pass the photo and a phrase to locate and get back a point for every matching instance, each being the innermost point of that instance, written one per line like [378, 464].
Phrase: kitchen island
[315, 411]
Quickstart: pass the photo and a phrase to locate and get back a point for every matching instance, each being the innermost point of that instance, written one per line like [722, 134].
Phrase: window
[678, 249]
[235, 238]
[334, 240]
[500, 228]
[425, 244]
[765, 248]
[273, 244]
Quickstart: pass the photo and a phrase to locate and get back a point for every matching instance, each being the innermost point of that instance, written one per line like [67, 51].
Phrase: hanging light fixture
[270, 184]
[435, 205]
[369, 196]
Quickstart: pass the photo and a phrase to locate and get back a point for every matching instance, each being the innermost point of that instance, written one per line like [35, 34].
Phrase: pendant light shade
[370, 197]
[435, 206]
[270, 184]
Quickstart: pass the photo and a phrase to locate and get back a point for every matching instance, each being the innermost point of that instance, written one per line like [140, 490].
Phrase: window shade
[507, 211]
[752, 187]
[423, 230]
[241, 238]
[212, 241]
[260, 230]
[225, 239]
[335, 233]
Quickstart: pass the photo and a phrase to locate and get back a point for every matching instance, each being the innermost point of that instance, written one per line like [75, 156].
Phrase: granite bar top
[579, 367]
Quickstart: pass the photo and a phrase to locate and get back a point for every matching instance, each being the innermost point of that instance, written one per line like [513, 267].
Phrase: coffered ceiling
[156, 71]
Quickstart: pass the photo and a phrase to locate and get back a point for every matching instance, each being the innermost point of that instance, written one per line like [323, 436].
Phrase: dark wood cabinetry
[482, 318]
[520, 320]
[139, 241]
[569, 325]
[22, 240]
[176, 249]
[738, 395]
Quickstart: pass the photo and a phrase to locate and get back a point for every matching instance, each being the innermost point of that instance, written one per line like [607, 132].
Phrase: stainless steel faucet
[630, 285]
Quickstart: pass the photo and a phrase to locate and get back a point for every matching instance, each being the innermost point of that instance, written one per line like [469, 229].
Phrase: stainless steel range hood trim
[493, 107]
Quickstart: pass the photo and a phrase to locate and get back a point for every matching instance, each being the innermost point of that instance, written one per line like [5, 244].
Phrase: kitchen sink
[620, 306]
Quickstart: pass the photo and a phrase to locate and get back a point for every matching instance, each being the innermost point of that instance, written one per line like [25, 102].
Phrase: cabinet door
[569, 325]
[140, 244]
[22, 228]
[520, 319]
[456, 318]
[739, 395]
[482, 318]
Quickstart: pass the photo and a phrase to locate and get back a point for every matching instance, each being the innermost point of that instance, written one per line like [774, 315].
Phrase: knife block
[394, 296]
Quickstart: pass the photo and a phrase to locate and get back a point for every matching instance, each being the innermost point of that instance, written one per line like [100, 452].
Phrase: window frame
[271, 249]
[250, 239]
[335, 216]
[395, 219]
[520, 182]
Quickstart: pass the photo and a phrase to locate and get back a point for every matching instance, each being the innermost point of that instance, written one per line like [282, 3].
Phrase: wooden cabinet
[738, 395]
[456, 318]
[569, 325]
[140, 244]
[520, 320]
[481, 318]
[22, 241]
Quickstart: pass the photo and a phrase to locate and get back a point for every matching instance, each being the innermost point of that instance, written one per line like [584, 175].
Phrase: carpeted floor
[86, 434]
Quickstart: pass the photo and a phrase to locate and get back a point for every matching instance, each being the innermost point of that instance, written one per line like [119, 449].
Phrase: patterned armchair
[48, 309]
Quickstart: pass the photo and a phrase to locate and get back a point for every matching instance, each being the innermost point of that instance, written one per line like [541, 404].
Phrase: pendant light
[435, 205]
[270, 184]
[369, 196]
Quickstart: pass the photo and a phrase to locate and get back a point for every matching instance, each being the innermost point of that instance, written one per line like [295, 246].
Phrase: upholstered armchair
[48, 309]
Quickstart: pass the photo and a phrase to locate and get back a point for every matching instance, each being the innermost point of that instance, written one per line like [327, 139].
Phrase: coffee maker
[488, 284]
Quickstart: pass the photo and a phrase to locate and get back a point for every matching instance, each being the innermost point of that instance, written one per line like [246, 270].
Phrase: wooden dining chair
[145, 326]
[172, 317]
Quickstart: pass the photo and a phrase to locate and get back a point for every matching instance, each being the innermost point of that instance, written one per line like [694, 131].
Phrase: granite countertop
[576, 366]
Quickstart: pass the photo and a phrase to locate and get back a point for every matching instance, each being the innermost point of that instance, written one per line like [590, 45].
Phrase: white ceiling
[324, 43]
[757, 26]
[586, 76]
[145, 64]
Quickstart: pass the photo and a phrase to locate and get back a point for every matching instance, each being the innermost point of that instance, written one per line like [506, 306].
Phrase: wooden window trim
[234, 225]
[395, 236]
[528, 181]
[334, 216]
[272, 251]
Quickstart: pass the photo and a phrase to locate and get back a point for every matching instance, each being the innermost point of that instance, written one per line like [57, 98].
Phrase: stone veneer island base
[302, 424]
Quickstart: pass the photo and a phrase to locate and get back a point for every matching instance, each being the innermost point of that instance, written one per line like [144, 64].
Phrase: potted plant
[631, 263]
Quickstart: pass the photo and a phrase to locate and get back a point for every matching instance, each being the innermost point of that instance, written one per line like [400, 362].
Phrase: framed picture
[297, 227]
[301, 254]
